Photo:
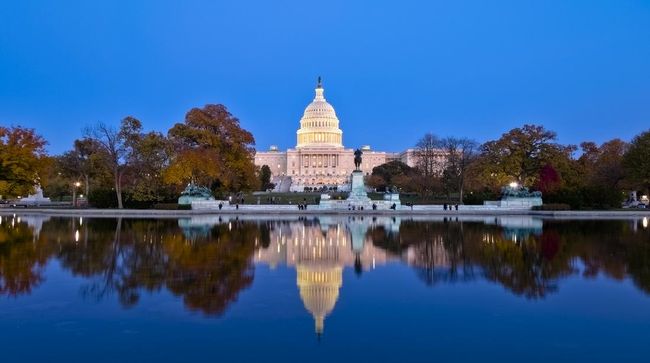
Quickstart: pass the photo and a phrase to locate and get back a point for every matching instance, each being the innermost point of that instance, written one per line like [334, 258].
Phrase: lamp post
[75, 185]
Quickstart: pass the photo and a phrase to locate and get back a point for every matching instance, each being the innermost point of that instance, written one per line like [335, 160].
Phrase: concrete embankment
[277, 210]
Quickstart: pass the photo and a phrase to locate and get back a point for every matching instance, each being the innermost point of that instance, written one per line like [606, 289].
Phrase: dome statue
[319, 125]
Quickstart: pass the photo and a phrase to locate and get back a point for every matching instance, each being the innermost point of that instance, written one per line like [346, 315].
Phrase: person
[220, 206]
[456, 206]
[237, 206]
[444, 206]
[394, 206]
[374, 206]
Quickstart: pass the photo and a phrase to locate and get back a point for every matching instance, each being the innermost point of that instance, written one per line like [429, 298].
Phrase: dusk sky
[393, 70]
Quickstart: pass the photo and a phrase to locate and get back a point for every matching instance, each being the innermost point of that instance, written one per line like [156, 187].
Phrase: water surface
[206, 289]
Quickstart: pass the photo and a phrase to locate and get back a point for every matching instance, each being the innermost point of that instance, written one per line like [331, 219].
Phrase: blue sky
[392, 69]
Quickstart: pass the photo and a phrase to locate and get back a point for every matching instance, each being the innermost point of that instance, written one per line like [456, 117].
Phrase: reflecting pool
[327, 289]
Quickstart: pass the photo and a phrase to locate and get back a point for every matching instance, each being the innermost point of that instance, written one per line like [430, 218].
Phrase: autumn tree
[116, 147]
[211, 148]
[636, 161]
[22, 158]
[548, 181]
[375, 181]
[150, 157]
[520, 154]
[603, 165]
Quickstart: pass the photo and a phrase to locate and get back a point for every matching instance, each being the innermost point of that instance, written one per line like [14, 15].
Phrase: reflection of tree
[117, 258]
[454, 251]
[440, 256]
[534, 265]
[638, 263]
[210, 274]
[612, 248]
[22, 259]
[521, 267]
[128, 256]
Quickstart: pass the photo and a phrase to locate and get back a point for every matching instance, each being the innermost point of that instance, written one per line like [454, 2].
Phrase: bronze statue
[357, 159]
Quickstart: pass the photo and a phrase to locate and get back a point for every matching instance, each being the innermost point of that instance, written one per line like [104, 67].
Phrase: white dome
[319, 125]
[319, 108]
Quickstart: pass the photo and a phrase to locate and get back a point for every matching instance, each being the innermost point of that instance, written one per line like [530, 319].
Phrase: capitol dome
[319, 125]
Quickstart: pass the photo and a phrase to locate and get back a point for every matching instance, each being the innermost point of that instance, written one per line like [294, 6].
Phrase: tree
[151, 155]
[385, 175]
[22, 158]
[265, 178]
[80, 162]
[427, 153]
[429, 162]
[116, 148]
[211, 148]
[603, 165]
[520, 154]
[636, 161]
[460, 153]
[548, 180]
[375, 181]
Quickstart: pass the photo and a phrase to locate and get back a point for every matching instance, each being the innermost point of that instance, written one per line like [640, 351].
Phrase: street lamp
[75, 185]
[514, 185]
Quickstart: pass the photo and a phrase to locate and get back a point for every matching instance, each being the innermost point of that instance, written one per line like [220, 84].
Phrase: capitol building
[319, 158]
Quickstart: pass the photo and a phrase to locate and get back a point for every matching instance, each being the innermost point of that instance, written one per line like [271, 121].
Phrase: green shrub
[103, 198]
[477, 198]
[586, 197]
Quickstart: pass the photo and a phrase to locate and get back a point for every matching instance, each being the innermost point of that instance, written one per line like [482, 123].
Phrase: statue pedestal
[194, 193]
[358, 195]
[37, 198]
[359, 198]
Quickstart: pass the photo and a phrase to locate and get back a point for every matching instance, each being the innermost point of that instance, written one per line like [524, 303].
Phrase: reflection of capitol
[320, 251]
